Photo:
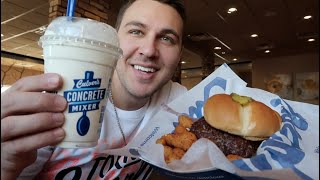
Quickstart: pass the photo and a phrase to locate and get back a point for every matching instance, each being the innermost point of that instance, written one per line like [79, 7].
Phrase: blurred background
[271, 44]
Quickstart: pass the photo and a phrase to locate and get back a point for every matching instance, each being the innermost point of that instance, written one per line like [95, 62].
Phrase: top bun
[252, 120]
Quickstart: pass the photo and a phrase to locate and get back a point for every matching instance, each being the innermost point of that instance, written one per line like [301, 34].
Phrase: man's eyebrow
[135, 23]
[164, 31]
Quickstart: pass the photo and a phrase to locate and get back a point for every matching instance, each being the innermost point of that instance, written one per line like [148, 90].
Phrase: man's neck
[123, 99]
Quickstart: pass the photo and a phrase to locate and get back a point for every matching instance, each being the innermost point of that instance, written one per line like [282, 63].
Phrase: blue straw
[70, 8]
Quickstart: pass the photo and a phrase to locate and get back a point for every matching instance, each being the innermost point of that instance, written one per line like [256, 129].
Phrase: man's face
[150, 36]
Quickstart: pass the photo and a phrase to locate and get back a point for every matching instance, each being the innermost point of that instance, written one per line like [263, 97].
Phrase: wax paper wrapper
[291, 153]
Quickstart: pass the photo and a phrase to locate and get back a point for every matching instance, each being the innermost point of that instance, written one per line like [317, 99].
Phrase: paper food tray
[292, 152]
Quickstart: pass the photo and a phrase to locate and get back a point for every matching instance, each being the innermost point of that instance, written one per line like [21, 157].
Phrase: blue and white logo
[85, 96]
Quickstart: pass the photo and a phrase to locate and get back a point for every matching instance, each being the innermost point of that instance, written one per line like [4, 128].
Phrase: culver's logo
[86, 83]
[85, 96]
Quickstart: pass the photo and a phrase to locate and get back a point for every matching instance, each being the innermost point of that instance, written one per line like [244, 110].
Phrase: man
[150, 34]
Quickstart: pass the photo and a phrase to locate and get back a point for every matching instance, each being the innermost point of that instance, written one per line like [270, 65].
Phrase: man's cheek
[128, 49]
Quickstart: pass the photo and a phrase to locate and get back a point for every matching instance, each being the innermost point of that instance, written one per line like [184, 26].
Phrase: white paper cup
[84, 52]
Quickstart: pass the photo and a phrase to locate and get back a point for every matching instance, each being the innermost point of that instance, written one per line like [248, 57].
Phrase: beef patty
[228, 143]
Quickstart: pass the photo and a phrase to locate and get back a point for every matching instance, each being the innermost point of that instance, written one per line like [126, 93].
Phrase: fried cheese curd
[177, 144]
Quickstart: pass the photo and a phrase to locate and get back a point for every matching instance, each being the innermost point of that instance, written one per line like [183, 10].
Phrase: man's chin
[143, 95]
[143, 92]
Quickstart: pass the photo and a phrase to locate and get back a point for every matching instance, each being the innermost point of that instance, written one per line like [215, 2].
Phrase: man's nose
[149, 47]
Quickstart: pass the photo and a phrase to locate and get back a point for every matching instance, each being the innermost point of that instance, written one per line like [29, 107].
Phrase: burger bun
[252, 120]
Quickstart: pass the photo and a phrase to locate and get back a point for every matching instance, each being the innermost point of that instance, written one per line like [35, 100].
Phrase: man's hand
[30, 119]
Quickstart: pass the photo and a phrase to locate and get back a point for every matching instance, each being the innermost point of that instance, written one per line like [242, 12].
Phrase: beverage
[84, 52]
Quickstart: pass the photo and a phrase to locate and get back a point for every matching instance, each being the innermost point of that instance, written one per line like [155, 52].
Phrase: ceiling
[279, 25]
[20, 25]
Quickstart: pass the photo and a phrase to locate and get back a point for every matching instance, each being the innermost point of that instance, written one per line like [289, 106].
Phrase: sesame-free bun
[253, 121]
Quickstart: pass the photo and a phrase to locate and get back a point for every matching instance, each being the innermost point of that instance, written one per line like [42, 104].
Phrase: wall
[13, 70]
[11, 74]
[261, 68]
[100, 10]
[282, 65]
[191, 77]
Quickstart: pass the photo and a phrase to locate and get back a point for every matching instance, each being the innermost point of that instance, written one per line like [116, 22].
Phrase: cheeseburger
[236, 124]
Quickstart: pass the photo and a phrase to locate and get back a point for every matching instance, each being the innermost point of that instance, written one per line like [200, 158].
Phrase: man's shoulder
[178, 87]
[176, 90]
[175, 87]
[170, 91]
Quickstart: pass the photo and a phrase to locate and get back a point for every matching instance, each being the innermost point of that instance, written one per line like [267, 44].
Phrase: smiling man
[152, 44]
[150, 34]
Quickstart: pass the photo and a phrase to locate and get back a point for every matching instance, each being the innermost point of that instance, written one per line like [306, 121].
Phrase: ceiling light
[223, 52]
[231, 10]
[311, 39]
[183, 62]
[23, 64]
[4, 88]
[2, 35]
[42, 55]
[267, 51]
[235, 59]
[307, 17]
[40, 30]
[217, 47]
[254, 35]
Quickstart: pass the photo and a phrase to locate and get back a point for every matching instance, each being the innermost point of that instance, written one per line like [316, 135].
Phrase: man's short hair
[178, 5]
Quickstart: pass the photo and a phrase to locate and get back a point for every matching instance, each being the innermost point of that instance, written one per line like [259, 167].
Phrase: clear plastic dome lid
[80, 30]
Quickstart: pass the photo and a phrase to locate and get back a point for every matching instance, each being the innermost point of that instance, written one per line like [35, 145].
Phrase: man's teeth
[144, 68]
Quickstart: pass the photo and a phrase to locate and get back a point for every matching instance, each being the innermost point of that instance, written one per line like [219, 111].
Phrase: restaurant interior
[271, 44]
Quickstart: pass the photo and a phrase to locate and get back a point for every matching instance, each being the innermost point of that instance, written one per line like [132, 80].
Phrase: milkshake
[84, 52]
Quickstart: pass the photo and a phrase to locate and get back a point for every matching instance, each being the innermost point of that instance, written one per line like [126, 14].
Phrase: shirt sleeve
[176, 91]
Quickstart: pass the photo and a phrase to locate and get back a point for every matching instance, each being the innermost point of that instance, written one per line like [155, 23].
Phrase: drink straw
[70, 8]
